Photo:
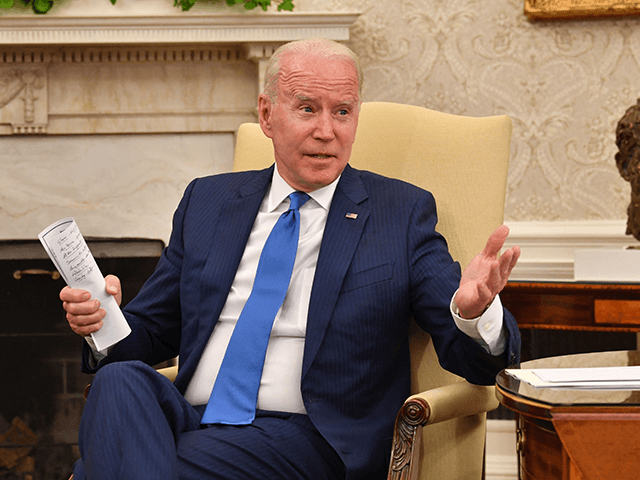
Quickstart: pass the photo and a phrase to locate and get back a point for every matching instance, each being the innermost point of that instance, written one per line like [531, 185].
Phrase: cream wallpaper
[564, 84]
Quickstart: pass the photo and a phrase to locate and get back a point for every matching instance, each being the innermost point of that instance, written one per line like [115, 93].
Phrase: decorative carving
[260, 53]
[33, 81]
[26, 83]
[10, 85]
[406, 439]
[628, 163]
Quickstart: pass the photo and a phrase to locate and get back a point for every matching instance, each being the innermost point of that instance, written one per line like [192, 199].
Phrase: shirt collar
[280, 190]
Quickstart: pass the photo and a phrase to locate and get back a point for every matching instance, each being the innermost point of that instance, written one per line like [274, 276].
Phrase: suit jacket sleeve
[434, 279]
[154, 314]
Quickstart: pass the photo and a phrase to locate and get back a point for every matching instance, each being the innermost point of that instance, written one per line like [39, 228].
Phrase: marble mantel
[108, 112]
[134, 73]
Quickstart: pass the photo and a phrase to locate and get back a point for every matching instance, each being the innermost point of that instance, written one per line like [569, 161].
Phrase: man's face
[314, 120]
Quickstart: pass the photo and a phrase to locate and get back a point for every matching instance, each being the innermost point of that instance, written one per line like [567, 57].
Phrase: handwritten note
[69, 252]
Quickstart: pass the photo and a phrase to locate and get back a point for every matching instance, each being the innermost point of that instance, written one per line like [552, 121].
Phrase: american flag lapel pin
[352, 216]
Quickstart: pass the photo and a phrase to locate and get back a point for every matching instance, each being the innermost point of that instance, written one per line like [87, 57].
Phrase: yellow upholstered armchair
[463, 161]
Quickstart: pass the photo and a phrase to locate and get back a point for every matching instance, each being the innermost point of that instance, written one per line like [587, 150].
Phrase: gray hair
[320, 47]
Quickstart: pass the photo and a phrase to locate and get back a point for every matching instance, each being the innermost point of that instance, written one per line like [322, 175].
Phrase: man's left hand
[486, 275]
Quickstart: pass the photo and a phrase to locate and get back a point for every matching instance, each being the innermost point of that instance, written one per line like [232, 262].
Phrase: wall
[565, 85]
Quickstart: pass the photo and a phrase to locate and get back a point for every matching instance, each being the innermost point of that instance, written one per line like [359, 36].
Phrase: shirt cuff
[486, 329]
[96, 355]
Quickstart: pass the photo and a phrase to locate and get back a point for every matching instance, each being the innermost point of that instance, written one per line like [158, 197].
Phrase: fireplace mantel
[186, 29]
[100, 74]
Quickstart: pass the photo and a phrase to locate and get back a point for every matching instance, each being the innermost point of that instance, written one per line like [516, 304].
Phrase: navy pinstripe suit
[374, 272]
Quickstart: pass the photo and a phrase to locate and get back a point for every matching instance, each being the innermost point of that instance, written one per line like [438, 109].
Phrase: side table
[570, 434]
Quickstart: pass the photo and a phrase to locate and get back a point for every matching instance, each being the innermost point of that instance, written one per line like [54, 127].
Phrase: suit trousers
[136, 425]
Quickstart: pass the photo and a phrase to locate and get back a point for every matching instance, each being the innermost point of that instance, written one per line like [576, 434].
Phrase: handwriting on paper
[72, 257]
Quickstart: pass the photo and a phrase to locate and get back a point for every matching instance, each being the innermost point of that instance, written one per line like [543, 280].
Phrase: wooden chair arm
[457, 400]
[433, 406]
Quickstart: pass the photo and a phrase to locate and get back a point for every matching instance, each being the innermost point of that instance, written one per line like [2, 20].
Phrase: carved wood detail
[406, 439]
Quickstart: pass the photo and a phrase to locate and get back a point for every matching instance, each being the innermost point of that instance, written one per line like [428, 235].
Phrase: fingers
[114, 287]
[85, 325]
[496, 241]
[74, 295]
[83, 313]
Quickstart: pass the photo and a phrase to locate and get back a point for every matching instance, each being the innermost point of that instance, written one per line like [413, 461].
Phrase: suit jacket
[374, 273]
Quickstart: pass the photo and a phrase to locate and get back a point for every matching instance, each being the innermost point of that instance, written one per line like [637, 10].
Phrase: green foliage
[43, 6]
[248, 4]
[38, 6]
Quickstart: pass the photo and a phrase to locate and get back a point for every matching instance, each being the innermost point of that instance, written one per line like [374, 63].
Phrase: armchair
[463, 161]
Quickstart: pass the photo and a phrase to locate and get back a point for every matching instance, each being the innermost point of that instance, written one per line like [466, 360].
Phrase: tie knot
[297, 200]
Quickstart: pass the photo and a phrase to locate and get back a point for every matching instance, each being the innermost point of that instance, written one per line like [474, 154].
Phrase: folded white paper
[69, 252]
[593, 378]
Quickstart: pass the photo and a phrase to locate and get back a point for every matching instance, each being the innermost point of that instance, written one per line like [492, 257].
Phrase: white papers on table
[68, 250]
[592, 378]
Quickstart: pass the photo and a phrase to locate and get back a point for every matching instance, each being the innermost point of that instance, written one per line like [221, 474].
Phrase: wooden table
[575, 434]
[574, 306]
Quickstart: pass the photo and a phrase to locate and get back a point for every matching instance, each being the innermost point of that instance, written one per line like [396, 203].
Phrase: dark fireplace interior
[42, 387]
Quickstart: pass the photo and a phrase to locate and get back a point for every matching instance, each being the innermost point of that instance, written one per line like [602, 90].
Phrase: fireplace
[42, 386]
[106, 113]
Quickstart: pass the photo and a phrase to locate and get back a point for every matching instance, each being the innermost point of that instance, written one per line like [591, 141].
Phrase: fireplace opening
[41, 383]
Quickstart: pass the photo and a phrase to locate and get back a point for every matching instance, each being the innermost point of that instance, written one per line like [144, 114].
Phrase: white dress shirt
[280, 384]
[280, 387]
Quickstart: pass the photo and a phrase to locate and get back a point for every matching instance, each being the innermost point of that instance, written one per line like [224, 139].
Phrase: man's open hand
[486, 275]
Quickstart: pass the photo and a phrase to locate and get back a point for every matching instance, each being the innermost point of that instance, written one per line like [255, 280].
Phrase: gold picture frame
[566, 9]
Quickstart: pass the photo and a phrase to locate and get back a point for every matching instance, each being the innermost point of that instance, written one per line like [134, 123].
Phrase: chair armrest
[457, 400]
[169, 372]
[433, 406]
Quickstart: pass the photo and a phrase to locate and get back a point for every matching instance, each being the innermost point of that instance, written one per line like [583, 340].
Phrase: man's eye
[344, 112]
[307, 109]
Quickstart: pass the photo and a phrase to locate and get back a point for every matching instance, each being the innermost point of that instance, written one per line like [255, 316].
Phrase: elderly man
[366, 258]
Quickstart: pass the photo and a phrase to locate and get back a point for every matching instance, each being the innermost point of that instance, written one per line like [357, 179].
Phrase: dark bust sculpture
[628, 162]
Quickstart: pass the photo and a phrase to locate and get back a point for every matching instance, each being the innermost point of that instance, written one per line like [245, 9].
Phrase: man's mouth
[319, 155]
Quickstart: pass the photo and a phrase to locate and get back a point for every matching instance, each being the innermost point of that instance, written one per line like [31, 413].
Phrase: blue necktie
[235, 392]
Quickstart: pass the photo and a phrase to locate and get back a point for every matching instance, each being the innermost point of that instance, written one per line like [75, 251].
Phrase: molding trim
[188, 29]
[501, 467]
[119, 55]
[547, 247]
[501, 462]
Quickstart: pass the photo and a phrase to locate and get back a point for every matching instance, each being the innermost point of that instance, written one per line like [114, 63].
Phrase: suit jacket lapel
[229, 238]
[345, 223]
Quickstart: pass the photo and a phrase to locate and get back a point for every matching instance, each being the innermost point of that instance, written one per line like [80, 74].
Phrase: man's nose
[324, 127]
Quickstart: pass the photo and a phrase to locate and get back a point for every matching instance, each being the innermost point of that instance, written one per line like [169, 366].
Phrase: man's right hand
[83, 313]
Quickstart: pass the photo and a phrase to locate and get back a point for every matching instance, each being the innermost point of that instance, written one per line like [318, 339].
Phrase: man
[336, 369]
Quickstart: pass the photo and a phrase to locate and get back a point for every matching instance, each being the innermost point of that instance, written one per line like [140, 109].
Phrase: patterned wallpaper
[564, 84]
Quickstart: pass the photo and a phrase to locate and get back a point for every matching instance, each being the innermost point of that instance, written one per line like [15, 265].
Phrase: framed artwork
[559, 9]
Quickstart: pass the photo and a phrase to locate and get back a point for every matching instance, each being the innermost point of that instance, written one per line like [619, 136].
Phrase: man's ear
[264, 114]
